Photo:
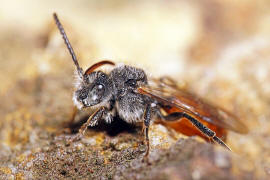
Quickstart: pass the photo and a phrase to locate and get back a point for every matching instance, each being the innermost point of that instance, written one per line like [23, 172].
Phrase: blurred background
[218, 49]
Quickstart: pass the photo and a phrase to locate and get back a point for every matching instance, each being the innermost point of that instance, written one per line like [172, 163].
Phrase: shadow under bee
[116, 127]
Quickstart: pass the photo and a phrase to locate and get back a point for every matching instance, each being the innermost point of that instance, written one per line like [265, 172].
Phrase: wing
[173, 98]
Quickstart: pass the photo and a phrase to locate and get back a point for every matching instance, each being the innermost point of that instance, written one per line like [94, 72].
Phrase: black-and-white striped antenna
[74, 58]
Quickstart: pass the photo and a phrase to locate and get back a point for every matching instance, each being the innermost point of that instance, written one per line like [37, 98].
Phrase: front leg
[92, 121]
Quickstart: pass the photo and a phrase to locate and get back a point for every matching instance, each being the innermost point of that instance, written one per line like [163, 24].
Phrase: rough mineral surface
[219, 50]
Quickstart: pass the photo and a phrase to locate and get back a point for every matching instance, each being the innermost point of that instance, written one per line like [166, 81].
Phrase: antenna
[95, 66]
[74, 58]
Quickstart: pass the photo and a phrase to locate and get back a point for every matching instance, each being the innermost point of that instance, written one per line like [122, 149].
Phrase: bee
[127, 92]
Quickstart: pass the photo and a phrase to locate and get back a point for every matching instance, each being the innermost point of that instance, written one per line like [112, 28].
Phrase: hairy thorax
[131, 107]
[129, 104]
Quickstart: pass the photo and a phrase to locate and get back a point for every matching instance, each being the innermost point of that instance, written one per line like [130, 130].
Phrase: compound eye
[98, 89]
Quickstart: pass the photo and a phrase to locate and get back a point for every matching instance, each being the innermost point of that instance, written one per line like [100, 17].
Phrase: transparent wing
[170, 95]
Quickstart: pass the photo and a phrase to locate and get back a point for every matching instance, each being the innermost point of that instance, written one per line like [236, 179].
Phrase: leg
[205, 130]
[147, 118]
[92, 121]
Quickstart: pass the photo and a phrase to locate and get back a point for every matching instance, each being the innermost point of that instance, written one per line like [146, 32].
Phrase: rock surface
[219, 50]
